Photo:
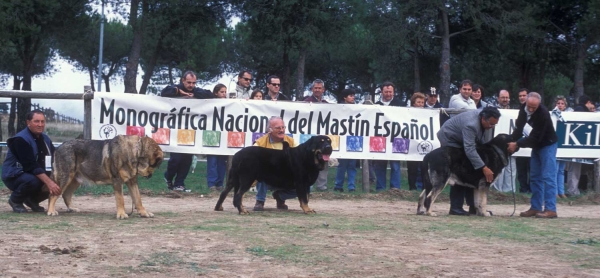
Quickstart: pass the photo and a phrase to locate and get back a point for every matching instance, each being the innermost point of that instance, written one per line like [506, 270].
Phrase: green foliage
[555, 85]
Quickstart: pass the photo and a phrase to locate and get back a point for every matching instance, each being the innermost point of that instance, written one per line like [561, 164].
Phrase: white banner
[224, 126]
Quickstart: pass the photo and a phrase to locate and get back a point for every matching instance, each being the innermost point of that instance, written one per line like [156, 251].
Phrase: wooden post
[366, 185]
[88, 95]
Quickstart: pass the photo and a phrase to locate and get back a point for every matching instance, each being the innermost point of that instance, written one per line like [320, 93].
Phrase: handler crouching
[273, 140]
[24, 170]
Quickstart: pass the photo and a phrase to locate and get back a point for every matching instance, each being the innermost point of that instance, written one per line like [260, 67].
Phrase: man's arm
[202, 93]
[470, 146]
[52, 186]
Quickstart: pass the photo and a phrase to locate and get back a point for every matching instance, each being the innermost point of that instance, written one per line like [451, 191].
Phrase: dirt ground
[346, 238]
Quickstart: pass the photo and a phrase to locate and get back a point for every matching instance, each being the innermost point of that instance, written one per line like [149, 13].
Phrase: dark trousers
[26, 186]
[178, 168]
[412, 169]
[458, 194]
[523, 174]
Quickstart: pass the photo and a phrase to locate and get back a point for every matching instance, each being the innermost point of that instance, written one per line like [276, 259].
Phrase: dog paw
[310, 211]
[431, 214]
[72, 210]
[52, 213]
[219, 208]
[420, 212]
[146, 214]
[244, 212]
[122, 215]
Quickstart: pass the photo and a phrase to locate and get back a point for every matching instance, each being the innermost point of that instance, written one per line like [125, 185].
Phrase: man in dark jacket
[179, 163]
[534, 129]
[27, 166]
[380, 166]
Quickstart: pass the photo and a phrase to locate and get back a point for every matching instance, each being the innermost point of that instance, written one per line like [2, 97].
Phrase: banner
[224, 126]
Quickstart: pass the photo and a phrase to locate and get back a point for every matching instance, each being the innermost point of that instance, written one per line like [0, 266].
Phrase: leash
[512, 185]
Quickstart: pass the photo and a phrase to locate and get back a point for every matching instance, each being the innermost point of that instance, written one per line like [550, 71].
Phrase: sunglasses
[247, 79]
[275, 84]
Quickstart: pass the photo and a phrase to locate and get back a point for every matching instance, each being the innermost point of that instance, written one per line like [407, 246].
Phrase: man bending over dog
[24, 170]
[273, 140]
[463, 132]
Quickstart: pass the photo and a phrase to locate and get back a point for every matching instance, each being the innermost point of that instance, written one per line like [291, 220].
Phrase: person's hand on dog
[512, 147]
[54, 189]
[489, 175]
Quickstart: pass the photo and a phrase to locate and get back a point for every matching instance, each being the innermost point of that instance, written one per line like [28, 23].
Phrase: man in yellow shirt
[274, 140]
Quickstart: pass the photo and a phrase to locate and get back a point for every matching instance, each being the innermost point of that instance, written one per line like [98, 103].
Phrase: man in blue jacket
[27, 166]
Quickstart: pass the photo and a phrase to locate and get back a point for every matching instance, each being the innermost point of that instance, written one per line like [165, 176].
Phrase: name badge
[48, 163]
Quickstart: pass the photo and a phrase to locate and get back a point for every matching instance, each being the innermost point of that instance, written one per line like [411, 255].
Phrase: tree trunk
[150, 67]
[133, 59]
[300, 75]
[285, 78]
[417, 68]
[13, 108]
[579, 69]
[445, 59]
[106, 79]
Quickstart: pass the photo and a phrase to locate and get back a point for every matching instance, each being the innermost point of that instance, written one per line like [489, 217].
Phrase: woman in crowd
[413, 167]
[561, 105]
[477, 96]
[346, 165]
[216, 165]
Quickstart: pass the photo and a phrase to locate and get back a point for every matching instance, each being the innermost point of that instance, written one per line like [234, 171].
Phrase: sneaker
[219, 188]
[212, 188]
[180, 188]
[338, 189]
[351, 190]
[18, 208]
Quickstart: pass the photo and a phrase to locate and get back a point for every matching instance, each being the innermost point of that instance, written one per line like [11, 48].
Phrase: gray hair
[317, 81]
[534, 95]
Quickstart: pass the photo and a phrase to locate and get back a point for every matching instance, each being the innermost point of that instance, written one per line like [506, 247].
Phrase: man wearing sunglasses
[242, 88]
[273, 86]
[464, 131]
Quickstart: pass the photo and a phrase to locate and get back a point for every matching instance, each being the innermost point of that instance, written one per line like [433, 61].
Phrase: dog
[114, 161]
[291, 168]
[449, 165]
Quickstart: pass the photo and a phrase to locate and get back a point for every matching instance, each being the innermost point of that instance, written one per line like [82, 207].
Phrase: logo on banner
[578, 134]
[107, 131]
[424, 147]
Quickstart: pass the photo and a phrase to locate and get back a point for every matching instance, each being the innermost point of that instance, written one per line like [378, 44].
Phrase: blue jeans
[542, 178]
[348, 165]
[216, 165]
[261, 192]
[380, 172]
[560, 176]
[23, 187]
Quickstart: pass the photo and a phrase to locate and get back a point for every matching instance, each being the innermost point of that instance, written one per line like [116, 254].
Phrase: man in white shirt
[463, 100]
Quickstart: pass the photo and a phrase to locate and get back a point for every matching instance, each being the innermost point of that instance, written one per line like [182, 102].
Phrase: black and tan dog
[449, 165]
[115, 161]
[291, 168]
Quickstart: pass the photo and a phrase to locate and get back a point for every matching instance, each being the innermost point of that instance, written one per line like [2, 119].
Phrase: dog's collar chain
[501, 153]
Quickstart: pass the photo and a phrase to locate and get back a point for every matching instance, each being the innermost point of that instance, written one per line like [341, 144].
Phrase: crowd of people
[542, 174]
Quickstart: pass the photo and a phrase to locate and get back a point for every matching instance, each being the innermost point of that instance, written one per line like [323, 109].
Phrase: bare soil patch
[347, 238]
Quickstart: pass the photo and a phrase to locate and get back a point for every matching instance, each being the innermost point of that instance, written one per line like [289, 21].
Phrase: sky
[68, 80]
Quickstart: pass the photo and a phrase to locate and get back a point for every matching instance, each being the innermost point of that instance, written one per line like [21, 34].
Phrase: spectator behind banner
[560, 105]
[180, 163]
[380, 166]
[413, 168]
[216, 165]
[318, 89]
[242, 86]
[346, 165]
